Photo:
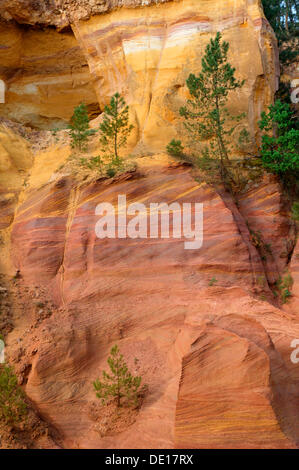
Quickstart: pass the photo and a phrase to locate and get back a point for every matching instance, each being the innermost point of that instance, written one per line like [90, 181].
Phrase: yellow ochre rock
[143, 49]
[147, 54]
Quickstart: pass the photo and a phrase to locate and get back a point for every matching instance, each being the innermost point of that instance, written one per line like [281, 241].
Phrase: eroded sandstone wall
[145, 50]
[216, 358]
[45, 76]
[147, 54]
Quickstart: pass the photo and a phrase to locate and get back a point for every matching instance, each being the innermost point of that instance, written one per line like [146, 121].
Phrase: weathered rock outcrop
[61, 13]
[15, 161]
[266, 211]
[45, 76]
[238, 380]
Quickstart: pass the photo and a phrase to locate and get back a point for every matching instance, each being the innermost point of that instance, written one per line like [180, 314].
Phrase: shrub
[213, 281]
[280, 143]
[12, 405]
[110, 172]
[93, 163]
[175, 148]
[284, 285]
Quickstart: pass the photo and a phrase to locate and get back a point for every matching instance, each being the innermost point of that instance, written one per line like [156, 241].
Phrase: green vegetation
[119, 383]
[114, 131]
[284, 286]
[54, 133]
[13, 408]
[175, 148]
[206, 117]
[79, 127]
[212, 281]
[261, 280]
[115, 128]
[111, 171]
[280, 148]
[93, 163]
[282, 14]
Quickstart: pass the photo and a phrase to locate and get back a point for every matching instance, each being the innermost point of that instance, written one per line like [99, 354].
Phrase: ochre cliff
[45, 75]
[144, 52]
[147, 54]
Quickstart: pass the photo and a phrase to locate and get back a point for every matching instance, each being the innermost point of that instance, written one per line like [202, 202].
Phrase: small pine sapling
[79, 127]
[119, 383]
[115, 128]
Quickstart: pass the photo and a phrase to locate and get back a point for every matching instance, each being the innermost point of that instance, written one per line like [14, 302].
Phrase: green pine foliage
[280, 142]
[13, 408]
[175, 148]
[284, 286]
[115, 128]
[119, 383]
[79, 127]
[206, 115]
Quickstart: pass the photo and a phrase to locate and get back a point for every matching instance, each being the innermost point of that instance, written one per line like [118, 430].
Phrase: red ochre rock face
[216, 358]
[266, 212]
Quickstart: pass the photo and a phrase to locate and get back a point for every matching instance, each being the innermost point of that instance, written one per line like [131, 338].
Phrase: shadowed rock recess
[216, 356]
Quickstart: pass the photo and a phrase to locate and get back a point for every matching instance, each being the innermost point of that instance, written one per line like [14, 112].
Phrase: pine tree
[115, 128]
[12, 405]
[119, 383]
[205, 112]
[79, 126]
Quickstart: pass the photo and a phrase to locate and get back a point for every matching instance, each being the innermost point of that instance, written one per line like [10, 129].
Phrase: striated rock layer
[216, 358]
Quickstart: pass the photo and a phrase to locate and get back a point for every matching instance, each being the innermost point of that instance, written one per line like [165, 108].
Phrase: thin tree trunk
[118, 392]
[115, 135]
[223, 152]
[115, 146]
